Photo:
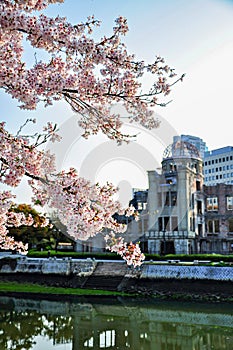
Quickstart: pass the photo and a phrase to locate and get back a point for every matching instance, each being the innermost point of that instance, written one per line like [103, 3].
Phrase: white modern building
[193, 140]
[218, 166]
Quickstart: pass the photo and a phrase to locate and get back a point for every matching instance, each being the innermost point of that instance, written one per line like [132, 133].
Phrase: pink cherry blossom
[130, 252]
[91, 76]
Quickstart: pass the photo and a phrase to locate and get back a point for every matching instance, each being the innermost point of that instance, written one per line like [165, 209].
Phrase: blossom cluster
[85, 209]
[18, 157]
[7, 219]
[130, 252]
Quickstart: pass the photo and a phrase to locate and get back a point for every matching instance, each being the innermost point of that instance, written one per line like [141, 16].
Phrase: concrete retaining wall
[68, 266]
[187, 272]
[63, 267]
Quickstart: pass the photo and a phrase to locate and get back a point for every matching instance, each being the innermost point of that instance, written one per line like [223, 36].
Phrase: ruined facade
[183, 216]
[176, 202]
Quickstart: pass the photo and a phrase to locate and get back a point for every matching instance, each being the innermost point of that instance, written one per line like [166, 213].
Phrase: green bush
[111, 256]
[76, 255]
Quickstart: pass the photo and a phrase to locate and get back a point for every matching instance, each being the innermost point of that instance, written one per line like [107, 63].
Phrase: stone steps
[106, 276]
[103, 282]
[110, 269]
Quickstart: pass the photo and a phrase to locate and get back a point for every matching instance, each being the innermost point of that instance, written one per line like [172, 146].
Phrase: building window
[229, 203]
[140, 207]
[167, 223]
[230, 225]
[212, 203]
[199, 207]
[164, 223]
[107, 339]
[171, 198]
[213, 226]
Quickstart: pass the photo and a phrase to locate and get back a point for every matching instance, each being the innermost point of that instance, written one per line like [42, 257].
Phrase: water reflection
[113, 324]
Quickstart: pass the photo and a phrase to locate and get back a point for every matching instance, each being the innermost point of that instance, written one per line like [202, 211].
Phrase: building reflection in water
[114, 324]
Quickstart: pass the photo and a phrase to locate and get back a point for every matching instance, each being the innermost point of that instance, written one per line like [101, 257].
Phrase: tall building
[195, 141]
[175, 202]
[218, 166]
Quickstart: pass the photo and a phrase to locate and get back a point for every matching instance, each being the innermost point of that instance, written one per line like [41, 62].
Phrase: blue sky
[195, 37]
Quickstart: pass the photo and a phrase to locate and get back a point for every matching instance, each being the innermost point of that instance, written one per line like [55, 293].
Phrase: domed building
[175, 202]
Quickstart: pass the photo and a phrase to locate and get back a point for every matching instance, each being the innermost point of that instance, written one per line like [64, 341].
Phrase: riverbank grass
[13, 287]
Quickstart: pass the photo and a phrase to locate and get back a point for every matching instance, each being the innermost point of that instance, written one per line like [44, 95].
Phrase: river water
[108, 323]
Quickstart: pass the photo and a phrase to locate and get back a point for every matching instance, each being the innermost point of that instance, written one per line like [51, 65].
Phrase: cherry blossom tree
[90, 75]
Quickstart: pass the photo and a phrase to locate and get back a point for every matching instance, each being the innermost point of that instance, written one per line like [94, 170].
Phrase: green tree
[38, 235]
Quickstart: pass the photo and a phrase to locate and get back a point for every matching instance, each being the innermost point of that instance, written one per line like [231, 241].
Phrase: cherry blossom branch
[85, 209]
[91, 76]
[73, 76]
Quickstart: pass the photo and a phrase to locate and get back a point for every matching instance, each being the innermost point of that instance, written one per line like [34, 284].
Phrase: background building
[197, 142]
[218, 166]
[218, 237]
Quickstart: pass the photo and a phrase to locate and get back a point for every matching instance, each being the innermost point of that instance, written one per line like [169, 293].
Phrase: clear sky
[195, 37]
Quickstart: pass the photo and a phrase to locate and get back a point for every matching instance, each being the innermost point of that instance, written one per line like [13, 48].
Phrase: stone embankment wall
[64, 267]
[187, 272]
[68, 266]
